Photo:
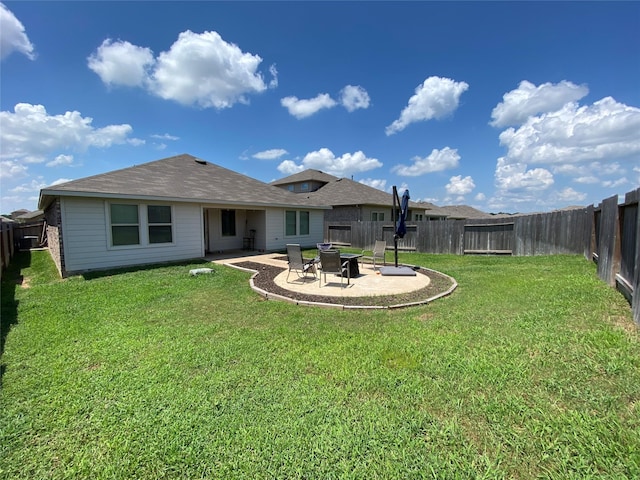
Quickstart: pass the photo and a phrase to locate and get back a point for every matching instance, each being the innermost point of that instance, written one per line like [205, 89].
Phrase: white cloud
[12, 35]
[122, 63]
[582, 142]
[436, 98]
[354, 97]
[30, 134]
[437, 161]
[165, 136]
[615, 183]
[568, 195]
[591, 173]
[307, 107]
[460, 186]
[325, 160]
[528, 100]
[199, 69]
[271, 154]
[10, 169]
[274, 74]
[61, 160]
[375, 183]
[516, 176]
[33, 186]
[136, 142]
[289, 167]
[480, 197]
[605, 130]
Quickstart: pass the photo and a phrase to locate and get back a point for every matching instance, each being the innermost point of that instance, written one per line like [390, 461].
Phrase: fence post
[635, 299]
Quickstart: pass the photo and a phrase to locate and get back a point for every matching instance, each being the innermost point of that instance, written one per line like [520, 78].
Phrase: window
[304, 187]
[304, 223]
[125, 225]
[418, 217]
[290, 228]
[377, 216]
[296, 223]
[228, 223]
[290, 188]
[160, 229]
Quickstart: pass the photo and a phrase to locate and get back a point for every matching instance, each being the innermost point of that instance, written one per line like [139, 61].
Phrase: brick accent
[53, 217]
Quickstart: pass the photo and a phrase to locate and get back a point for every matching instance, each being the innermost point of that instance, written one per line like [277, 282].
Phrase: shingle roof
[464, 211]
[180, 178]
[306, 176]
[344, 191]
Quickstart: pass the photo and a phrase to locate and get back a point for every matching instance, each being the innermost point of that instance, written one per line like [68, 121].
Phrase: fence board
[609, 242]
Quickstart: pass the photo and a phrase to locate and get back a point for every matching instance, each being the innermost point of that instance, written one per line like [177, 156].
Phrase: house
[352, 201]
[177, 208]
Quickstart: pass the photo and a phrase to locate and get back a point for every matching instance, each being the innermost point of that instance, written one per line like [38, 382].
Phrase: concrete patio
[368, 283]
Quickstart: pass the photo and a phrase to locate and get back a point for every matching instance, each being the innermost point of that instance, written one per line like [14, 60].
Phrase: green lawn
[531, 368]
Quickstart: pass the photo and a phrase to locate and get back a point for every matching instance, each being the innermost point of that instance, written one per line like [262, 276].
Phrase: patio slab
[369, 283]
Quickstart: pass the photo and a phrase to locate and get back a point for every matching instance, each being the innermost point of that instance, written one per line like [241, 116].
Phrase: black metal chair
[331, 262]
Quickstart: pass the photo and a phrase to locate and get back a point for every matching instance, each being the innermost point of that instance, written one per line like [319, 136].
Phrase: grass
[531, 369]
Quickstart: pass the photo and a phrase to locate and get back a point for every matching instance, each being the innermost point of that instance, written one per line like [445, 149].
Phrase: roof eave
[46, 197]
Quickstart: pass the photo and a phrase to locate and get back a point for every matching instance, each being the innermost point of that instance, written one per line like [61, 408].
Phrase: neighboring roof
[343, 191]
[183, 178]
[30, 215]
[309, 175]
[463, 211]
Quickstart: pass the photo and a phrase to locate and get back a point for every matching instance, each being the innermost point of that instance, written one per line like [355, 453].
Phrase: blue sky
[505, 106]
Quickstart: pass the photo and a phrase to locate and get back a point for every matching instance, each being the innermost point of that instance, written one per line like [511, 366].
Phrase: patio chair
[330, 262]
[377, 253]
[298, 264]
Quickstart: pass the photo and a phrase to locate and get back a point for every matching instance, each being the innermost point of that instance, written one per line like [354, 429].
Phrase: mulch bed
[266, 273]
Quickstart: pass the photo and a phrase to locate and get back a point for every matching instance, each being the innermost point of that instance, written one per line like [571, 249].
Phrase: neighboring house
[177, 208]
[460, 212]
[351, 201]
[30, 217]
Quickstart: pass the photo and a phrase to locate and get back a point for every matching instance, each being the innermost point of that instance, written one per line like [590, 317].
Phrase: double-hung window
[125, 224]
[159, 220]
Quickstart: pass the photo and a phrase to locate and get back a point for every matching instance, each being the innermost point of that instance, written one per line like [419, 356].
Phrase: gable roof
[182, 178]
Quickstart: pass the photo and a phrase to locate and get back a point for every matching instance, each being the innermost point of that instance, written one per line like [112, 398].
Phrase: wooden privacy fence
[608, 234]
[6, 244]
[552, 233]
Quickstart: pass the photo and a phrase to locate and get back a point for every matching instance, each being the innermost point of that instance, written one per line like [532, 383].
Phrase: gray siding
[276, 239]
[86, 237]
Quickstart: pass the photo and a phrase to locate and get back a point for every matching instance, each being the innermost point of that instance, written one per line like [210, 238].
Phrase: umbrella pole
[395, 225]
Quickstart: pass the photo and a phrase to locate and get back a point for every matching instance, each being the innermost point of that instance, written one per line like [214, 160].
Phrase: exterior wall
[86, 237]
[276, 238]
[345, 214]
[312, 186]
[55, 239]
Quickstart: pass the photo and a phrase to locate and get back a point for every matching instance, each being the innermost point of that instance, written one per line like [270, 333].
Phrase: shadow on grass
[11, 278]
[140, 268]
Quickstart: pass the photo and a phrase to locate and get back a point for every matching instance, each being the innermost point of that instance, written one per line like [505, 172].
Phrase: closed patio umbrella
[400, 225]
